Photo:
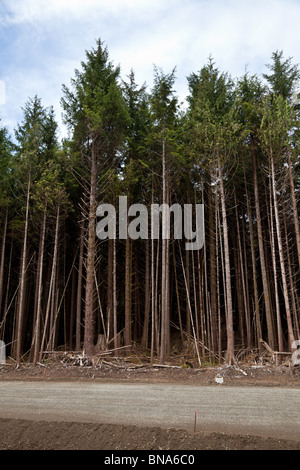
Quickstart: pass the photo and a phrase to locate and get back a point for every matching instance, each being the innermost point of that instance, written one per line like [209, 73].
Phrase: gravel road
[263, 411]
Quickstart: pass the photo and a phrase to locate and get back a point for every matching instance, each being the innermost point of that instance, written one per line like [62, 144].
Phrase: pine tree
[96, 112]
[6, 162]
[33, 136]
[164, 106]
[284, 75]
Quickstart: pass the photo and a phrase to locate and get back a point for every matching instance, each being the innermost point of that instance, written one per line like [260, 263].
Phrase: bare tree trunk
[152, 300]
[71, 315]
[218, 281]
[54, 308]
[196, 302]
[147, 298]
[266, 290]
[79, 288]
[177, 295]
[212, 265]
[187, 310]
[21, 299]
[109, 298]
[116, 345]
[90, 262]
[52, 281]
[167, 317]
[277, 306]
[164, 274]
[3, 259]
[254, 271]
[156, 301]
[291, 276]
[242, 277]
[294, 204]
[206, 312]
[191, 313]
[229, 316]
[6, 308]
[128, 261]
[239, 300]
[137, 292]
[57, 307]
[281, 258]
[37, 330]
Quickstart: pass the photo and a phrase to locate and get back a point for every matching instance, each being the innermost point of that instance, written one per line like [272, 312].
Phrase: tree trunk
[164, 274]
[127, 330]
[294, 204]
[229, 316]
[5, 307]
[281, 258]
[52, 281]
[37, 330]
[90, 262]
[115, 312]
[79, 289]
[277, 305]
[147, 298]
[152, 300]
[109, 297]
[212, 266]
[254, 271]
[268, 308]
[242, 277]
[21, 299]
[2, 260]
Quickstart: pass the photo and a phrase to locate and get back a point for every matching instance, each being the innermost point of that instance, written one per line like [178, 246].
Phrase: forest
[233, 146]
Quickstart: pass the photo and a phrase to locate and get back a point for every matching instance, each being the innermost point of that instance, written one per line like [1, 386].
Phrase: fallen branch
[117, 366]
[163, 366]
[138, 366]
[240, 370]
[275, 354]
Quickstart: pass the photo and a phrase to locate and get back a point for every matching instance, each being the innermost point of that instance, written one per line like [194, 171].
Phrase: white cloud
[24, 11]
[47, 39]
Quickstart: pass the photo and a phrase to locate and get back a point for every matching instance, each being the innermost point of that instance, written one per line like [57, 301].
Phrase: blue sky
[43, 41]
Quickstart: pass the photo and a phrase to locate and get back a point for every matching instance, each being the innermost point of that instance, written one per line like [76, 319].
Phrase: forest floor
[34, 435]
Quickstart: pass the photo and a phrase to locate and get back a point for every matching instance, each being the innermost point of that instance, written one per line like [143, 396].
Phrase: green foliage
[212, 86]
[283, 76]
[36, 139]
[215, 130]
[49, 190]
[249, 93]
[95, 108]
[277, 120]
[6, 162]
[163, 102]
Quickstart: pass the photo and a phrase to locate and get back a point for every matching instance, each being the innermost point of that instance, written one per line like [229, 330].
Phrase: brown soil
[28, 435]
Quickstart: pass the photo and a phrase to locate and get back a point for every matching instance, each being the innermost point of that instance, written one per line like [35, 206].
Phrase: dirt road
[263, 411]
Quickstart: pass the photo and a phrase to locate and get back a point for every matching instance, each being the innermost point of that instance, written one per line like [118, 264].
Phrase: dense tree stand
[80, 270]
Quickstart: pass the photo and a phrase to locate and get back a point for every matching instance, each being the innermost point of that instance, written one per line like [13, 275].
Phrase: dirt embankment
[30, 435]
[65, 368]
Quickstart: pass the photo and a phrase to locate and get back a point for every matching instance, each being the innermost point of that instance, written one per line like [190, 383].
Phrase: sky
[42, 42]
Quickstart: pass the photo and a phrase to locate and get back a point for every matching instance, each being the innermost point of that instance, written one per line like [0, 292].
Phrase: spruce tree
[96, 113]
